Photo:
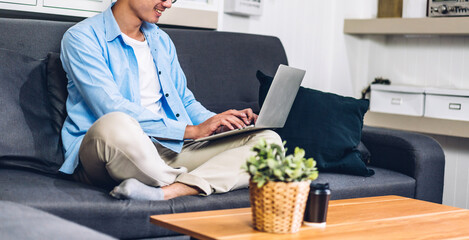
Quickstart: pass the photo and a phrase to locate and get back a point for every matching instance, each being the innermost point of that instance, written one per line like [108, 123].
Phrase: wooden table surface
[387, 217]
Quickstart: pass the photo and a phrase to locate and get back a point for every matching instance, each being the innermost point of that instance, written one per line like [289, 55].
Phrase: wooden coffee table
[387, 217]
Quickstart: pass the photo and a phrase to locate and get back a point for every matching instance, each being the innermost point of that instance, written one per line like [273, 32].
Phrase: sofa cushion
[383, 182]
[94, 208]
[326, 125]
[28, 139]
[22, 222]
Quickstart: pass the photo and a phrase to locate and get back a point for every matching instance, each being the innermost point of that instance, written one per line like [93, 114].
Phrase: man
[129, 112]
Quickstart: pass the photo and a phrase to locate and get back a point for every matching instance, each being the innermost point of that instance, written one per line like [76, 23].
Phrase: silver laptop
[277, 103]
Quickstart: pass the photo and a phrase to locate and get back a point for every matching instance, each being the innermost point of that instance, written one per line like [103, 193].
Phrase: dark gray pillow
[27, 136]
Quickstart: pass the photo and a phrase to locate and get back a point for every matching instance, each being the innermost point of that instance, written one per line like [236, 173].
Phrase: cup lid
[319, 186]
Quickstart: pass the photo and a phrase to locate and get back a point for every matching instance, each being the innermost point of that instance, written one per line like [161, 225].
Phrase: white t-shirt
[150, 89]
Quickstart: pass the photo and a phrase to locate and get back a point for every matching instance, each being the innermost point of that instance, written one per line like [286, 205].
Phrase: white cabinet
[451, 104]
[23, 2]
[447, 104]
[397, 100]
[84, 5]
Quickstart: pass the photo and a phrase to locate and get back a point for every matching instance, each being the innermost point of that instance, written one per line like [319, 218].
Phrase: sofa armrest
[413, 154]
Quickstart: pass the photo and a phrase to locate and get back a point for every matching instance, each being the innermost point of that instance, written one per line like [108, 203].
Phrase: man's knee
[270, 136]
[113, 126]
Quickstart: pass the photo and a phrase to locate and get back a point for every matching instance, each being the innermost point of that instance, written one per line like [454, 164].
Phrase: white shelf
[408, 26]
[190, 17]
[418, 124]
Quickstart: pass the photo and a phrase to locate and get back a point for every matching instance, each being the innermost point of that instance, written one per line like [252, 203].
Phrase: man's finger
[249, 116]
[227, 124]
[240, 122]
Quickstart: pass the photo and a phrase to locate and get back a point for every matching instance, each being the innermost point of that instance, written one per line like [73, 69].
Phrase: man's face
[149, 10]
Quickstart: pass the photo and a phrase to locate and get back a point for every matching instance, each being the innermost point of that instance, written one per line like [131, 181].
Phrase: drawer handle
[455, 106]
[396, 101]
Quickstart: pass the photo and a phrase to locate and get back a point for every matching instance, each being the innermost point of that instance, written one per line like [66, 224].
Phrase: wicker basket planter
[278, 207]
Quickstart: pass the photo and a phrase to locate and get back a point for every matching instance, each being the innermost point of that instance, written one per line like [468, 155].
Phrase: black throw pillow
[27, 139]
[327, 126]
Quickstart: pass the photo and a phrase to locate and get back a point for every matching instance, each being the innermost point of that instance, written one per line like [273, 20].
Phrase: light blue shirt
[102, 74]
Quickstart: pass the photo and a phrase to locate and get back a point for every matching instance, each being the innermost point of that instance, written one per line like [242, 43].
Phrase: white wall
[312, 34]
[430, 61]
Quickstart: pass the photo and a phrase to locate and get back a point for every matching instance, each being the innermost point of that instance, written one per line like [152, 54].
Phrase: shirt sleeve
[196, 111]
[86, 67]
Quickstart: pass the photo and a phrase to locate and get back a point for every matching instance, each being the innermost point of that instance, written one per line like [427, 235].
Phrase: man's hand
[248, 116]
[228, 120]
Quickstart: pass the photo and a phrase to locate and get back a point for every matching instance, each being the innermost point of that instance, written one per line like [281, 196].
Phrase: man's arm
[229, 120]
[86, 67]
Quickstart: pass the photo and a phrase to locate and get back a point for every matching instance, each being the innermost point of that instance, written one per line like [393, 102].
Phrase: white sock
[133, 189]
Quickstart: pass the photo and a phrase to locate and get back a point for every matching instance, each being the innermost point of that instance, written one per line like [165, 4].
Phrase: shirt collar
[113, 30]
[110, 24]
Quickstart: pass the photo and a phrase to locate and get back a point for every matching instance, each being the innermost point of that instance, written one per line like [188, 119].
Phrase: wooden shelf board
[408, 26]
[418, 124]
[190, 18]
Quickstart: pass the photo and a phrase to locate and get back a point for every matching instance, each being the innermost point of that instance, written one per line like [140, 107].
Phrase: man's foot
[178, 189]
[133, 189]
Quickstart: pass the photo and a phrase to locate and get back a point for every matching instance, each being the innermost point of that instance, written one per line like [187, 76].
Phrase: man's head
[147, 10]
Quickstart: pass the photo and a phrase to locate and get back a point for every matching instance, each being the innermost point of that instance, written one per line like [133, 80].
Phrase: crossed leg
[116, 149]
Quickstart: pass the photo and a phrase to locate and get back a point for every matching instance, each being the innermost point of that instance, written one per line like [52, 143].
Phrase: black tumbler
[316, 206]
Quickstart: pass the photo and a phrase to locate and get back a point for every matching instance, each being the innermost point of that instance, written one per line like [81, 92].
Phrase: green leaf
[299, 152]
[261, 183]
[252, 170]
[313, 175]
[278, 173]
[271, 163]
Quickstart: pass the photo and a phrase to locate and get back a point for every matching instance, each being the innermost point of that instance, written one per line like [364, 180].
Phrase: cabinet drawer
[22, 2]
[447, 107]
[84, 5]
[397, 101]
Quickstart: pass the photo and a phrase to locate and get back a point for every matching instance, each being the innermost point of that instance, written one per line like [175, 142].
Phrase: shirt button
[159, 72]
[177, 114]
[166, 95]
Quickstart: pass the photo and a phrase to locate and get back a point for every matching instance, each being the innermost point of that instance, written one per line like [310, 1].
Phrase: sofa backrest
[220, 66]
[34, 38]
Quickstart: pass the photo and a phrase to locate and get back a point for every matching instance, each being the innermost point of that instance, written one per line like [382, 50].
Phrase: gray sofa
[221, 69]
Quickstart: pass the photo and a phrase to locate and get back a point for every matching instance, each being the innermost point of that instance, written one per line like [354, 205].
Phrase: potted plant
[279, 187]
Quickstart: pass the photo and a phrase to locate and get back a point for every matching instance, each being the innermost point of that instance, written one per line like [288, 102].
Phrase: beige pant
[115, 148]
